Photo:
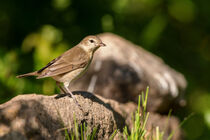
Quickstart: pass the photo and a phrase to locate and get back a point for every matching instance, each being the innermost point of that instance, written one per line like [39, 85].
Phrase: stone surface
[38, 117]
[122, 70]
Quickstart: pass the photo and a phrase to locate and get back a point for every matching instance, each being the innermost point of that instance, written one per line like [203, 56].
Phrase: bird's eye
[91, 41]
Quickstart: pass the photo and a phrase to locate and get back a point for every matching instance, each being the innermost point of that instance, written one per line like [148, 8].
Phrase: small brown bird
[70, 65]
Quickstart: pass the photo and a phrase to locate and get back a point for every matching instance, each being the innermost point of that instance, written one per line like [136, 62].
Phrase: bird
[70, 65]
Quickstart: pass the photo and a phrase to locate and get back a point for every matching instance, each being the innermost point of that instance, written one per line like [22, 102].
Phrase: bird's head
[91, 43]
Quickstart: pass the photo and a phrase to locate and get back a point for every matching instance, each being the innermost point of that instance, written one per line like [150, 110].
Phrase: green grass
[137, 132]
[80, 132]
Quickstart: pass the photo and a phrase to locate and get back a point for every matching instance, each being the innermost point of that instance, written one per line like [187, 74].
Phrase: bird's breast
[69, 76]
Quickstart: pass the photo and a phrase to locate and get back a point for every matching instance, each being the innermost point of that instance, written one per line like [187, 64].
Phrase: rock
[122, 70]
[43, 116]
[38, 117]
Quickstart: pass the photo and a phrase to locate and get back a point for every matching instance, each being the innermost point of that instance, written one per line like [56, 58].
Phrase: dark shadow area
[122, 83]
[120, 121]
[114, 81]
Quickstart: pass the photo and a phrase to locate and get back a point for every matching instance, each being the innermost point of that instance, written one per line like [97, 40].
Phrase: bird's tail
[28, 74]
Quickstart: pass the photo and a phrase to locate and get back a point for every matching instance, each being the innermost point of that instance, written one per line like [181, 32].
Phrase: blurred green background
[33, 32]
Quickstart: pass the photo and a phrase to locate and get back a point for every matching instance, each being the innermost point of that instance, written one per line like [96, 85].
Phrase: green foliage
[138, 130]
[80, 134]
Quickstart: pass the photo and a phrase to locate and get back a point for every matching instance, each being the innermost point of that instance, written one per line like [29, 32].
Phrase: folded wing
[69, 61]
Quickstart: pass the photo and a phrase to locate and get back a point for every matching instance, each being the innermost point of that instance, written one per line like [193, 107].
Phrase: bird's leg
[66, 85]
[61, 88]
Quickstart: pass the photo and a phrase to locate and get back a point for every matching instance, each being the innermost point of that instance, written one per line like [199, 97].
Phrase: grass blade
[113, 134]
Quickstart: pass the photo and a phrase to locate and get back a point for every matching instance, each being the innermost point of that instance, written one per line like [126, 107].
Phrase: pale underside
[70, 76]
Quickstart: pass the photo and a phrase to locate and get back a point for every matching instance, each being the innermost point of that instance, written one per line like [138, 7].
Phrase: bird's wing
[71, 60]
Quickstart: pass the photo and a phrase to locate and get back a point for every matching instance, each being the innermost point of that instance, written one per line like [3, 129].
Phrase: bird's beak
[102, 44]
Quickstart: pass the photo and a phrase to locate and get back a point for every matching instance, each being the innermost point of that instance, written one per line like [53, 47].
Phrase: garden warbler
[70, 65]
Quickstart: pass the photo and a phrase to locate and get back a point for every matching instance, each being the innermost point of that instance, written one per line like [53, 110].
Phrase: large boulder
[122, 70]
[38, 117]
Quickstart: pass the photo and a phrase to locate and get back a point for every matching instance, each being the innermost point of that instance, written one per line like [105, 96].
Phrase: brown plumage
[71, 60]
[70, 64]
